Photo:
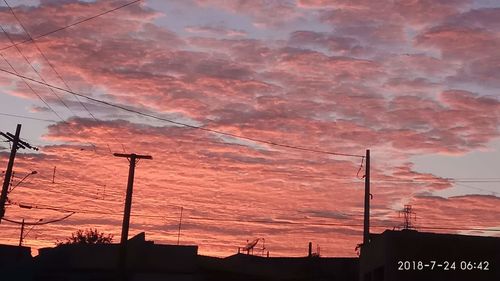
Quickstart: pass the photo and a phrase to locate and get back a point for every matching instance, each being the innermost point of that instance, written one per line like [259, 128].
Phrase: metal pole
[8, 173]
[366, 225]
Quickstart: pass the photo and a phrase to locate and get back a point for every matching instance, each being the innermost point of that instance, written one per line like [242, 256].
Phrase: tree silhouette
[87, 236]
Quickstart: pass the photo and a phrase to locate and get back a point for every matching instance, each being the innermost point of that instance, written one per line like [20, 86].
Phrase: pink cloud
[459, 42]
[440, 209]
[331, 90]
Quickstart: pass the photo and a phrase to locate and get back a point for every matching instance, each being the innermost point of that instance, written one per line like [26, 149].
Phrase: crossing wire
[55, 71]
[178, 123]
[71, 25]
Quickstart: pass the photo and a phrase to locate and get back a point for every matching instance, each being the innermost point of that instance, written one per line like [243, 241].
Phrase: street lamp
[32, 173]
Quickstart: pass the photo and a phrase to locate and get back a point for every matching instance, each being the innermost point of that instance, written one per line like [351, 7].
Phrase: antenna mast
[408, 216]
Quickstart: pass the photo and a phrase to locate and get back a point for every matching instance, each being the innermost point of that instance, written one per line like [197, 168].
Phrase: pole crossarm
[136, 156]
[20, 143]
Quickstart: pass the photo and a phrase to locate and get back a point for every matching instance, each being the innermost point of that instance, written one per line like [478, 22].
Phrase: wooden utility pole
[366, 225]
[133, 158]
[22, 233]
[8, 173]
[179, 233]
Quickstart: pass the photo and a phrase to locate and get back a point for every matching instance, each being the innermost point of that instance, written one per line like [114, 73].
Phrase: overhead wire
[39, 75]
[43, 82]
[178, 123]
[263, 221]
[449, 181]
[396, 180]
[187, 125]
[71, 25]
[28, 117]
[182, 124]
[477, 188]
[36, 71]
[76, 95]
[40, 97]
[283, 221]
[38, 223]
[201, 128]
[51, 65]
[43, 100]
[33, 90]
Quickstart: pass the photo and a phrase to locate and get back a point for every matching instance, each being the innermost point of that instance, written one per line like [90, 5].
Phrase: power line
[485, 178]
[184, 124]
[36, 93]
[454, 181]
[39, 223]
[288, 222]
[115, 194]
[70, 25]
[477, 188]
[52, 66]
[36, 71]
[478, 181]
[28, 117]
[39, 75]
[32, 89]
[445, 180]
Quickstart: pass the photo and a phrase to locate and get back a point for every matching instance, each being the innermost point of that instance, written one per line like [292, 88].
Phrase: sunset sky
[416, 82]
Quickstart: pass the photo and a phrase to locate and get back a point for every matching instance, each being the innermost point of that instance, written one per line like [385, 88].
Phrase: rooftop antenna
[408, 215]
[251, 245]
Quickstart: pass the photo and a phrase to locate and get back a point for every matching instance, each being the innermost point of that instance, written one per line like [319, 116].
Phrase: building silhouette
[418, 256]
[249, 267]
[405, 255]
[16, 263]
[145, 261]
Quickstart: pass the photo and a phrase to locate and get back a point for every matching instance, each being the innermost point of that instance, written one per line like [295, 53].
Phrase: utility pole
[16, 144]
[366, 225]
[133, 158]
[8, 173]
[179, 233]
[22, 233]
